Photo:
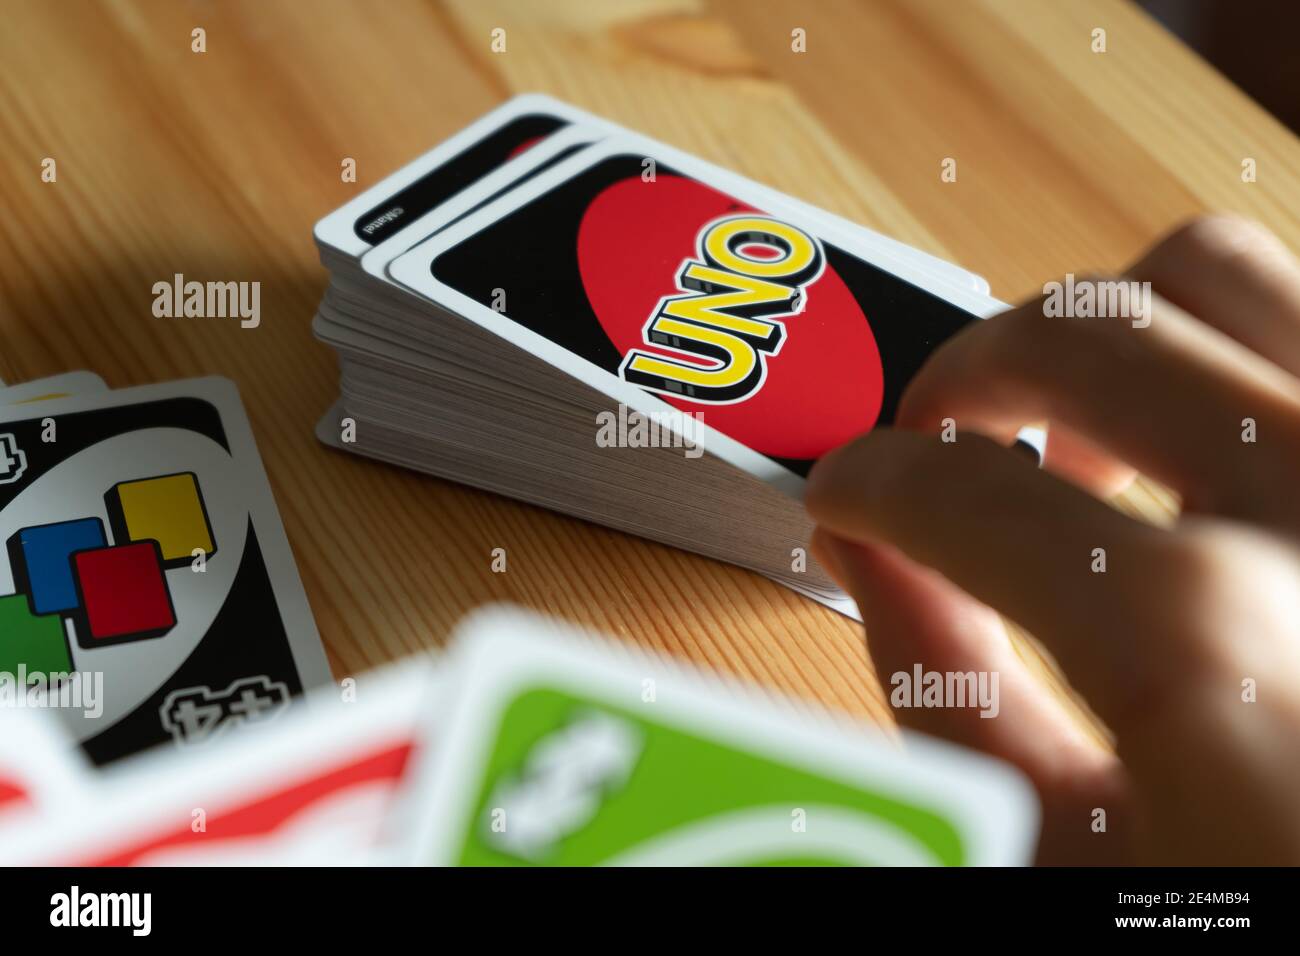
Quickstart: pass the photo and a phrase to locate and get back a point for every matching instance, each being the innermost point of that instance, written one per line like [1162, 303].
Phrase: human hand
[1168, 642]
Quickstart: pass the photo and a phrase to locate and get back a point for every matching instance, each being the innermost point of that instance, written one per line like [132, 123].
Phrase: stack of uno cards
[527, 744]
[554, 308]
[147, 591]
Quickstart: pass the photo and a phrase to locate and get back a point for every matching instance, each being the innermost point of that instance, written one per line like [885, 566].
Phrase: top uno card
[145, 578]
[668, 283]
[386, 208]
[562, 751]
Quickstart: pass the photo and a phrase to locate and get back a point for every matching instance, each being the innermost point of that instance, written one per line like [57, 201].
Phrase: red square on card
[124, 592]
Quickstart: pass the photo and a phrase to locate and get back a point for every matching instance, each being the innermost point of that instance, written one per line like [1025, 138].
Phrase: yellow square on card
[169, 510]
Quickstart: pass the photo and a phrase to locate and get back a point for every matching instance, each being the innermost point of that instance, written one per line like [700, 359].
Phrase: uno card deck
[143, 551]
[729, 335]
[680, 286]
[561, 750]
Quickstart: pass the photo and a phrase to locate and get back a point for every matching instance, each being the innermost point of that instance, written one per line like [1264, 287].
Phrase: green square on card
[35, 642]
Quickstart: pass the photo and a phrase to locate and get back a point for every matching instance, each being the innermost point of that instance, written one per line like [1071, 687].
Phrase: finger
[1066, 454]
[1168, 399]
[1076, 459]
[915, 618]
[1236, 276]
[1018, 540]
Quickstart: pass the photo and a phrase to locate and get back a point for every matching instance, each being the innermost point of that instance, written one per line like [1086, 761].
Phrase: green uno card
[567, 751]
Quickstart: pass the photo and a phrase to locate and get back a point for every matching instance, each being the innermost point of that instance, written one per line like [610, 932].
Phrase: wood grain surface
[216, 165]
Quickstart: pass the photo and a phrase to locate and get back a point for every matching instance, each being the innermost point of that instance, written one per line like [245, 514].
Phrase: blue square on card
[40, 556]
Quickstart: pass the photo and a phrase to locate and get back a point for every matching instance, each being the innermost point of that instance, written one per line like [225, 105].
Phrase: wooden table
[216, 165]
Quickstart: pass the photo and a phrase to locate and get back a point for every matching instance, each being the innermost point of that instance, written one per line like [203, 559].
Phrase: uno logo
[751, 270]
[747, 321]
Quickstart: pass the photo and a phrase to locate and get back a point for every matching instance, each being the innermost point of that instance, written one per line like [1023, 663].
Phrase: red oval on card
[823, 387]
